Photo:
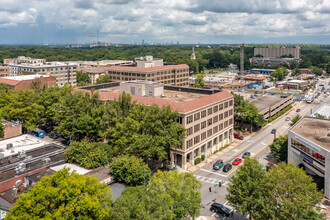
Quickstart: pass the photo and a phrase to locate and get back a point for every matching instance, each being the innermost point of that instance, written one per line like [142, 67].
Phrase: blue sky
[186, 21]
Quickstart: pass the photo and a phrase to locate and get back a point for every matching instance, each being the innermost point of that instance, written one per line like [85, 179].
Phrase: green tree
[294, 192]
[89, 155]
[2, 129]
[130, 169]
[295, 120]
[103, 79]
[317, 115]
[249, 192]
[199, 81]
[279, 147]
[294, 64]
[280, 73]
[83, 78]
[64, 196]
[316, 70]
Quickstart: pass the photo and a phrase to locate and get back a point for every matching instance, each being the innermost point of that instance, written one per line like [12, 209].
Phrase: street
[258, 145]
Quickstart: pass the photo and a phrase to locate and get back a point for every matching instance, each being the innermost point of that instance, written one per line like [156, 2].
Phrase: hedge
[280, 113]
[197, 160]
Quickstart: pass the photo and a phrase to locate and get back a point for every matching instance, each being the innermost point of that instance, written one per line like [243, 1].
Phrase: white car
[287, 119]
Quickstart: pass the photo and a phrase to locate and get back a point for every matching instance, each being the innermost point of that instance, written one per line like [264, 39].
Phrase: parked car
[273, 131]
[246, 154]
[298, 110]
[287, 119]
[237, 161]
[221, 209]
[227, 167]
[238, 136]
[217, 165]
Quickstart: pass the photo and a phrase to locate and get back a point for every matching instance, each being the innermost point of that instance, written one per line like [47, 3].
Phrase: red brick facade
[11, 130]
[26, 84]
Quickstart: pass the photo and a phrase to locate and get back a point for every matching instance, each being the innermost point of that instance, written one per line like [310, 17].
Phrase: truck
[38, 133]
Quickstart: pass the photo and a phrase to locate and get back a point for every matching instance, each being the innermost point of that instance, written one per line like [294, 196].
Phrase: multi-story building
[65, 73]
[260, 61]
[23, 59]
[277, 52]
[4, 71]
[309, 147]
[25, 82]
[93, 72]
[207, 115]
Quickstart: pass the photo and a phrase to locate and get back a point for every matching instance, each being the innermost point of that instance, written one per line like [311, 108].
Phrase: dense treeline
[147, 132]
[205, 57]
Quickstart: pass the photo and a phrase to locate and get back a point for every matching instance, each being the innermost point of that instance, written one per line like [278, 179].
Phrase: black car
[246, 154]
[227, 167]
[221, 209]
[273, 131]
[217, 165]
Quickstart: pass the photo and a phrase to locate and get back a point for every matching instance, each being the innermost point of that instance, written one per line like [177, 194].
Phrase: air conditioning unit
[9, 146]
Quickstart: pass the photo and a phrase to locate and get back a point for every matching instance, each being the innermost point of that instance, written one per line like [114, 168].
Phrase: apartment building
[207, 115]
[65, 73]
[277, 52]
[4, 71]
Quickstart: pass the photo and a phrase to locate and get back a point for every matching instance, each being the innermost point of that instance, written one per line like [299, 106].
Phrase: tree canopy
[168, 195]
[103, 79]
[279, 147]
[64, 196]
[295, 119]
[280, 73]
[130, 169]
[83, 79]
[286, 192]
[89, 155]
[199, 81]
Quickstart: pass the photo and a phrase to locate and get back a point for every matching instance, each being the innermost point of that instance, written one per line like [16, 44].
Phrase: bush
[203, 157]
[130, 170]
[197, 160]
[89, 155]
[280, 113]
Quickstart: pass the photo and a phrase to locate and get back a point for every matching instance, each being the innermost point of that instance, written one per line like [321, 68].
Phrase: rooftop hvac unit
[9, 146]
[18, 182]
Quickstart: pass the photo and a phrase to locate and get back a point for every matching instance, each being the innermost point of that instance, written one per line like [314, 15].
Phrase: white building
[148, 61]
[309, 146]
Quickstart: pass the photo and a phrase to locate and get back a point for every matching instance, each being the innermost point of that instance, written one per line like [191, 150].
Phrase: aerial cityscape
[119, 109]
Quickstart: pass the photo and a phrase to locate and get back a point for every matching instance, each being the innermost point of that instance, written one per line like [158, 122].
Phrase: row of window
[208, 133]
[210, 121]
[211, 111]
[197, 139]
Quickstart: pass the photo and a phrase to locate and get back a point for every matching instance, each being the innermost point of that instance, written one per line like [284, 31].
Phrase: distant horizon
[187, 21]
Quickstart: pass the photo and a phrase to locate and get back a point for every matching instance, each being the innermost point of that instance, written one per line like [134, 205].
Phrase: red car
[298, 110]
[318, 156]
[237, 161]
[238, 136]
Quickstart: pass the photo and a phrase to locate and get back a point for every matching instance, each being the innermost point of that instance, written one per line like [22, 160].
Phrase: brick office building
[25, 82]
[207, 115]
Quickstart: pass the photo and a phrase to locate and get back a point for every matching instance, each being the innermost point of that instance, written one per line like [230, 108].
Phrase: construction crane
[241, 49]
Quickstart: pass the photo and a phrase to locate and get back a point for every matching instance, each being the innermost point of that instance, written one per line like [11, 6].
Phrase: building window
[226, 114]
[215, 109]
[225, 135]
[196, 128]
[209, 111]
[220, 138]
[189, 143]
[226, 104]
[189, 131]
[196, 139]
[220, 116]
[230, 102]
[214, 141]
[230, 112]
[203, 114]
[203, 124]
[203, 136]
[221, 106]
[209, 132]
[221, 127]
[189, 119]
[215, 119]
[215, 129]
[226, 124]
[209, 122]
[230, 121]
[197, 116]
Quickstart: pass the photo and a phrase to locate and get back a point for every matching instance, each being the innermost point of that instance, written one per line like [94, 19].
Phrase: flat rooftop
[323, 109]
[314, 130]
[148, 69]
[25, 77]
[266, 101]
[175, 96]
[24, 142]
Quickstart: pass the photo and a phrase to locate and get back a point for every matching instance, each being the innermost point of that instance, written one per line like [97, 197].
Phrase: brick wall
[12, 131]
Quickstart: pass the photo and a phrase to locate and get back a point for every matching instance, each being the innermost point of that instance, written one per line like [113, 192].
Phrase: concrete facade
[276, 52]
[207, 115]
[308, 146]
[142, 88]
[148, 61]
[4, 71]
[176, 75]
[11, 129]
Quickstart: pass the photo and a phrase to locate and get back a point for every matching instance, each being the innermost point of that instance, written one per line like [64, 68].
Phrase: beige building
[65, 73]
[207, 115]
[176, 75]
[4, 71]
[23, 59]
[93, 72]
[276, 52]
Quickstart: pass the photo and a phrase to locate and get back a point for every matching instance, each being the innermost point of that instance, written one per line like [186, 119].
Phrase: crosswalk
[210, 180]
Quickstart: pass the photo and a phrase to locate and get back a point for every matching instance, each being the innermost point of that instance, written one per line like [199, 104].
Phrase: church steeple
[193, 56]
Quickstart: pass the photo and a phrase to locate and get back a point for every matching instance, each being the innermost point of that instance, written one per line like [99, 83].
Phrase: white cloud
[169, 19]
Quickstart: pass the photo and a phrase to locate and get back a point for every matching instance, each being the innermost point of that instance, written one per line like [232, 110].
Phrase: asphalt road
[258, 145]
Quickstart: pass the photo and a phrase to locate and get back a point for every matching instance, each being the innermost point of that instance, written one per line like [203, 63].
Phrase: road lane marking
[210, 180]
[212, 172]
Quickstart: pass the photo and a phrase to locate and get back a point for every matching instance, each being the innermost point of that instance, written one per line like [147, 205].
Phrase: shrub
[203, 157]
[197, 160]
[130, 169]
